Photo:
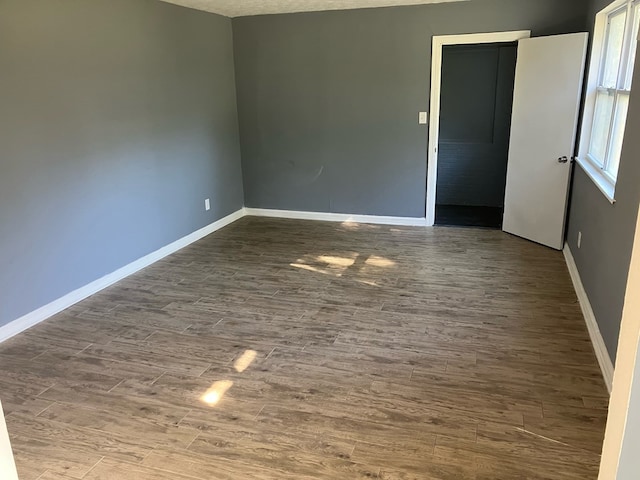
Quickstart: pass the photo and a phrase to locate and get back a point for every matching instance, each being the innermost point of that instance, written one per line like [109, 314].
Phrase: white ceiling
[242, 8]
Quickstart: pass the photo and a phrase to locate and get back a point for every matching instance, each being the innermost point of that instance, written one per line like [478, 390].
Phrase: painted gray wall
[329, 101]
[607, 230]
[117, 119]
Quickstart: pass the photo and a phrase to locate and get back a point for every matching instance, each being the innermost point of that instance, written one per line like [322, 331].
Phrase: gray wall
[607, 230]
[329, 101]
[117, 119]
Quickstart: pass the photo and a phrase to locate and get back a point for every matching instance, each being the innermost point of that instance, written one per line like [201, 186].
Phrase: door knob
[564, 159]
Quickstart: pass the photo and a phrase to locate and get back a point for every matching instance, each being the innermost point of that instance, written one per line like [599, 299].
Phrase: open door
[546, 105]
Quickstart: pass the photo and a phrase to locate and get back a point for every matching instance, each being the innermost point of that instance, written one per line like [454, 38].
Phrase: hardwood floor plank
[149, 433]
[109, 469]
[34, 456]
[28, 432]
[200, 466]
[305, 455]
[161, 411]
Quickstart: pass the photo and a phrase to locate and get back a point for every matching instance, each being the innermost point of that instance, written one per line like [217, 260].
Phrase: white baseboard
[33, 318]
[29, 320]
[337, 217]
[602, 354]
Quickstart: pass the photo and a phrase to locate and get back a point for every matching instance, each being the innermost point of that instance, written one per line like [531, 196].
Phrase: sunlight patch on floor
[216, 392]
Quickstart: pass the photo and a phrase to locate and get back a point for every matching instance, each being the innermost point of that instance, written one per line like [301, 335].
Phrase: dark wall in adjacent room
[476, 101]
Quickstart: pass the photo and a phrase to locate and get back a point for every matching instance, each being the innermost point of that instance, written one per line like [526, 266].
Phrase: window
[614, 52]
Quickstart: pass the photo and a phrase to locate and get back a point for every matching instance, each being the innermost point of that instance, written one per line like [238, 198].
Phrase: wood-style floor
[325, 351]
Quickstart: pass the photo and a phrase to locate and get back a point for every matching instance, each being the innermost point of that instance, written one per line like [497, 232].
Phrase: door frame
[614, 464]
[439, 42]
[7, 462]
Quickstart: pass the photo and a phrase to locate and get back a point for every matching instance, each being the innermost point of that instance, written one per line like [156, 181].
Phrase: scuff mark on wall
[318, 174]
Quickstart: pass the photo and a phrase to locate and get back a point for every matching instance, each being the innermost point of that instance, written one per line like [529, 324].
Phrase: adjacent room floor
[461, 216]
[279, 349]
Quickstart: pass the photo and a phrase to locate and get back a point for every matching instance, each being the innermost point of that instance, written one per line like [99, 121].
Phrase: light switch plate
[422, 118]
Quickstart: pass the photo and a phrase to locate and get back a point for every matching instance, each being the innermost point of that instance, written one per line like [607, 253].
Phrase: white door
[546, 104]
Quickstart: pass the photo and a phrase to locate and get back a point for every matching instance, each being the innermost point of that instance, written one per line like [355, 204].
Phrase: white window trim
[603, 181]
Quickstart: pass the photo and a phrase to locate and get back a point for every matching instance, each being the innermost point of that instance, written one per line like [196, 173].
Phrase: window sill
[604, 184]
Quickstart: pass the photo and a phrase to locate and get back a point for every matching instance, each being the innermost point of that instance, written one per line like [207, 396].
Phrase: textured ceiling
[241, 8]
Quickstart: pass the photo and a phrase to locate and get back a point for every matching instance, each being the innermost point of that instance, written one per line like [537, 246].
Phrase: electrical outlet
[207, 204]
[579, 239]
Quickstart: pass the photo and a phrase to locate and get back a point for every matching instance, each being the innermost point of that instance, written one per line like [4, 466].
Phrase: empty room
[284, 239]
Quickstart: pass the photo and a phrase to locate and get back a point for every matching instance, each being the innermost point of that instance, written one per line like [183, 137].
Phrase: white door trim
[436, 82]
[619, 421]
[7, 463]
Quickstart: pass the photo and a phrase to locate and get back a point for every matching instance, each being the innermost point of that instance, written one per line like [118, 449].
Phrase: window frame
[598, 171]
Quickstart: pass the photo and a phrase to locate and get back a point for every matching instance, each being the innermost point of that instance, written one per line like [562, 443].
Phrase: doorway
[476, 101]
[439, 44]
[542, 131]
